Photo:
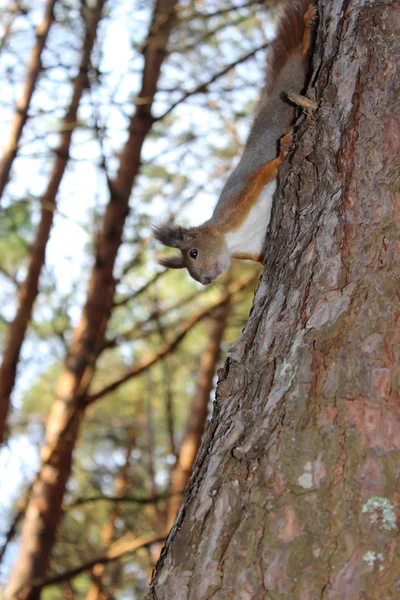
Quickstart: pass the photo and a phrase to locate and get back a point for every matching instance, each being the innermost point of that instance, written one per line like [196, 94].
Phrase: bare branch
[203, 87]
[125, 545]
[123, 301]
[225, 10]
[148, 361]
[129, 334]
[20, 513]
[211, 32]
[128, 499]
[9, 276]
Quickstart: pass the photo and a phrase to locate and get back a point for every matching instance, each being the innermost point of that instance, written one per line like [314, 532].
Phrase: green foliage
[15, 230]
[39, 397]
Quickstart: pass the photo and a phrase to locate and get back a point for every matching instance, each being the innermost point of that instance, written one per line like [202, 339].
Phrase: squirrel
[237, 228]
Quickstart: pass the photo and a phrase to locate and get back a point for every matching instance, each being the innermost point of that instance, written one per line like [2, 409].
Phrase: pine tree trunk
[44, 509]
[295, 493]
[95, 591]
[29, 289]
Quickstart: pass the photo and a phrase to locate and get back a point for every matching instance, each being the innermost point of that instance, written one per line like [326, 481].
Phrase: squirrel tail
[289, 38]
[287, 70]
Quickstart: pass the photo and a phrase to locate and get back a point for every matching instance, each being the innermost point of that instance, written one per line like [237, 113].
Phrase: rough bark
[29, 289]
[198, 411]
[23, 104]
[44, 509]
[295, 489]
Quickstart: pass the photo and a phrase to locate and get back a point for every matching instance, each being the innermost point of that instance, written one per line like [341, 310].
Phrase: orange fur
[257, 181]
[282, 48]
[309, 18]
[247, 256]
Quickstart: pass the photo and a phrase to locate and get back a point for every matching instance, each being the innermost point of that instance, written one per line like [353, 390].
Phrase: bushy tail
[286, 71]
[288, 39]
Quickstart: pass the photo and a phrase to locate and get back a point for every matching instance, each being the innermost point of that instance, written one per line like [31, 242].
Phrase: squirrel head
[204, 252]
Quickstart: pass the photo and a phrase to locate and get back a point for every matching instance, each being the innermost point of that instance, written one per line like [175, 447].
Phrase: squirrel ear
[169, 235]
[172, 262]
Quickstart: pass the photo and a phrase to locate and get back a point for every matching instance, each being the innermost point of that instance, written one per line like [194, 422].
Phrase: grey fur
[169, 235]
[172, 262]
[273, 119]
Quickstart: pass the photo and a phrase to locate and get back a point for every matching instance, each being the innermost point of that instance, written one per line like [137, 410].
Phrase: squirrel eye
[193, 253]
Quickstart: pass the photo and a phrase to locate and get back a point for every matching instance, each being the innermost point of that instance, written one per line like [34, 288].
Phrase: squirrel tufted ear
[172, 262]
[169, 235]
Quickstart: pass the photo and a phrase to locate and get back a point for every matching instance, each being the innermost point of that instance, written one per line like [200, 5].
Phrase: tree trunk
[198, 410]
[44, 509]
[108, 530]
[30, 287]
[295, 491]
[23, 104]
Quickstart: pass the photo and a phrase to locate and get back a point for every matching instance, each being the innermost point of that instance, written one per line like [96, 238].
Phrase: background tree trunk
[109, 529]
[29, 289]
[45, 506]
[295, 490]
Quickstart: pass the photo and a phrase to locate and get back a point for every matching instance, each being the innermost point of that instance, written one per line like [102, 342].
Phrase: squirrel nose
[207, 280]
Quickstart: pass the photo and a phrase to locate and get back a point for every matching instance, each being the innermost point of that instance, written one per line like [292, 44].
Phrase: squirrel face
[204, 252]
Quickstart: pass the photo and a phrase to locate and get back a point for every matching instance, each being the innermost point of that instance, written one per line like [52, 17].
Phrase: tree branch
[147, 362]
[9, 276]
[124, 300]
[124, 545]
[129, 499]
[203, 87]
[223, 11]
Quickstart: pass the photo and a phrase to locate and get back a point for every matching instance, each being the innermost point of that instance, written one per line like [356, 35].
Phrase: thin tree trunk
[154, 515]
[108, 533]
[295, 489]
[44, 510]
[21, 114]
[198, 411]
[29, 289]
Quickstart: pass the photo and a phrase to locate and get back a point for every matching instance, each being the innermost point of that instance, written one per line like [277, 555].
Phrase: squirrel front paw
[310, 15]
[285, 145]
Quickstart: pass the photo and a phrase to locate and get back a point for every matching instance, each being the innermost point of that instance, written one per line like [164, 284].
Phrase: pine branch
[125, 545]
[151, 359]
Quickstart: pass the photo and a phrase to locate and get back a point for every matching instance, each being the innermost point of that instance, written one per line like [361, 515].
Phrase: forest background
[108, 105]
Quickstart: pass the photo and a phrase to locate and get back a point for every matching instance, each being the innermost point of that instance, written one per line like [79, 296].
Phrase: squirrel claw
[285, 145]
[310, 15]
